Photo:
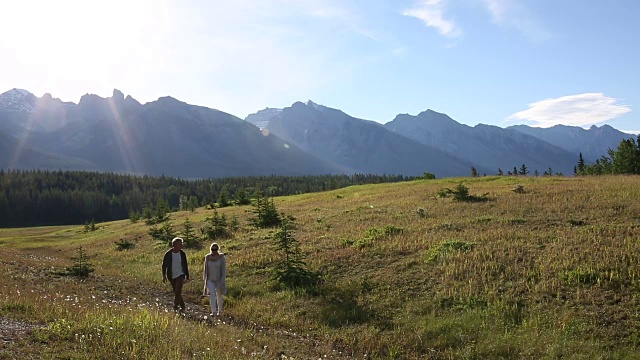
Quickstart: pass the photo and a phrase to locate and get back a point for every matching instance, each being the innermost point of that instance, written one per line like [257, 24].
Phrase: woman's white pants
[215, 297]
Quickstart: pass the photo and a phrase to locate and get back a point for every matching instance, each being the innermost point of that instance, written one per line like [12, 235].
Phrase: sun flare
[84, 42]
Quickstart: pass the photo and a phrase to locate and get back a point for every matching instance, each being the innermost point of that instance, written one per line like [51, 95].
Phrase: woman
[215, 272]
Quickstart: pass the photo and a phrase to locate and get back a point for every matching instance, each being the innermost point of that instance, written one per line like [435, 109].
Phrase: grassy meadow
[548, 273]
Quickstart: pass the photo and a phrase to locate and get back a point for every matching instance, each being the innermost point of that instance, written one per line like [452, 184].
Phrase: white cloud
[576, 110]
[512, 14]
[431, 12]
[497, 8]
[635, 132]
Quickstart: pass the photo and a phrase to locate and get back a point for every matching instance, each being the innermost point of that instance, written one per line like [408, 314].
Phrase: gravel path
[11, 330]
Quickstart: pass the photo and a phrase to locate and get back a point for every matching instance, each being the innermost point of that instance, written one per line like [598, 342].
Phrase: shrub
[447, 226]
[134, 216]
[482, 219]
[447, 247]
[373, 234]
[124, 244]
[461, 193]
[516, 221]
[577, 222]
[90, 226]
[581, 276]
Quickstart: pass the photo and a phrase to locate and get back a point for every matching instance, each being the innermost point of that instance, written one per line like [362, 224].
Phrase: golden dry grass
[549, 273]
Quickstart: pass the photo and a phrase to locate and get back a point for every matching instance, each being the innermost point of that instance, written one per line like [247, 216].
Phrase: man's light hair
[175, 240]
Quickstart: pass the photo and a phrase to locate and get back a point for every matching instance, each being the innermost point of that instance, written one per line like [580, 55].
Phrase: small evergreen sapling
[164, 234]
[188, 233]
[81, 266]
[124, 244]
[265, 212]
[291, 271]
[242, 198]
[215, 227]
[461, 194]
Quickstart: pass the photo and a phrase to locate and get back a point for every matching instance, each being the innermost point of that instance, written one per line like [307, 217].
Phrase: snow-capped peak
[311, 103]
[261, 118]
[17, 100]
[20, 92]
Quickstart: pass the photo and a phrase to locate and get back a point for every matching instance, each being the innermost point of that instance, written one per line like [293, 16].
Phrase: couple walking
[176, 270]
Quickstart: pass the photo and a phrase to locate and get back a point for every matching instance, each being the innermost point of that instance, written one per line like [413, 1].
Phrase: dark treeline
[36, 197]
[623, 160]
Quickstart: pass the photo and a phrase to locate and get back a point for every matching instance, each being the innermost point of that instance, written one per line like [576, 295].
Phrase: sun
[84, 42]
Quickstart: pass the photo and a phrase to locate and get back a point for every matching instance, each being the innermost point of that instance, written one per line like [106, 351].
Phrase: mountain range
[171, 137]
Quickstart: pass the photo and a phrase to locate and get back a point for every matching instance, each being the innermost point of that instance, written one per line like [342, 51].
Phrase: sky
[497, 62]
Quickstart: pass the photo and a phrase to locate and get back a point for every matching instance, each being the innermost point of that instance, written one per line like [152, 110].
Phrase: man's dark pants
[176, 284]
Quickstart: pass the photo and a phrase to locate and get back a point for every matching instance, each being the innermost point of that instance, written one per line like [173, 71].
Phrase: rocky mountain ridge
[171, 137]
[163, 137]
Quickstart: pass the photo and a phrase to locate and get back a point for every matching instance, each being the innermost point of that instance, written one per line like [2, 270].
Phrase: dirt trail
[200, 313]
[12, 330]
[34, 271]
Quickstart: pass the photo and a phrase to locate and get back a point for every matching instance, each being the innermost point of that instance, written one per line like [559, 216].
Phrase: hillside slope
[407, 275]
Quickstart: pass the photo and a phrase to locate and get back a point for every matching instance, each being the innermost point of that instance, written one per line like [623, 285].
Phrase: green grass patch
[447, 248]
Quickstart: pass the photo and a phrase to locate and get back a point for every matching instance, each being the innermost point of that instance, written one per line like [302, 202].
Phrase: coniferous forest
[35, 197]
[41, 197]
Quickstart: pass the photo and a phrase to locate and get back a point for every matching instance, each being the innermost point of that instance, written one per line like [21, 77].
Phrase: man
[175, 268]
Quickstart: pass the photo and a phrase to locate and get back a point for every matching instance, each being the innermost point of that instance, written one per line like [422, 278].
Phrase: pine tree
[147, 214]
[161, 214]
[266, 214]
[81, 266]
[580, 170]
[291, 270]
[134, 216]
[234, 223]
[162, 210]
[223, 198]
[241, 197]
[215, 228]
[164, 233]
[523, 170]
[626, 159]
[192, 204]
[188, 234]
